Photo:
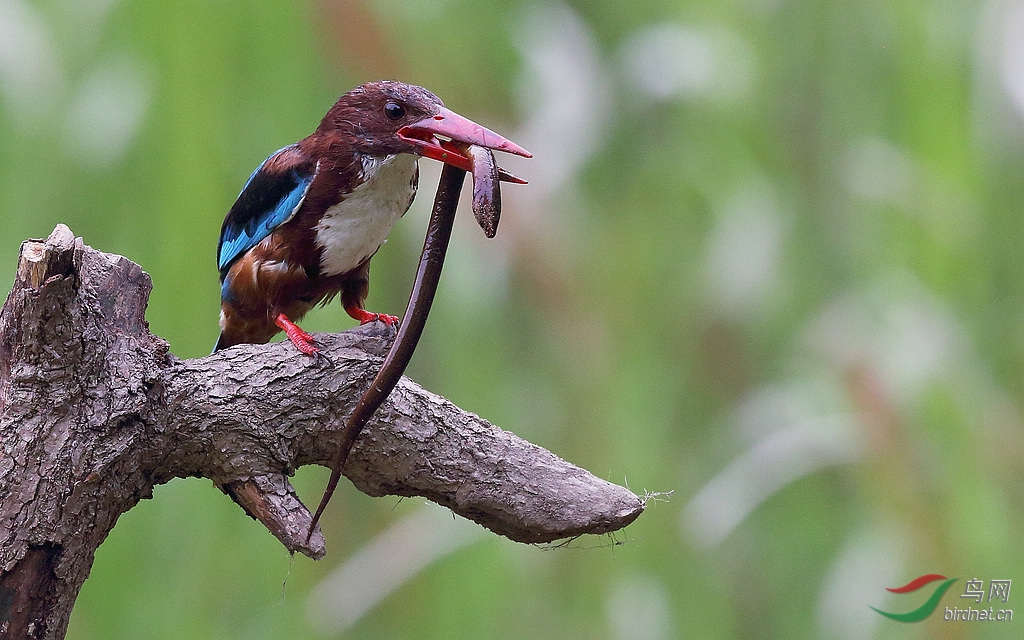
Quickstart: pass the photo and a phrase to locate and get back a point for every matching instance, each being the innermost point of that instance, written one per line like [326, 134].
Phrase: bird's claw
[390, 321]
[312, 347]
[303, 341]
[366, 317]
[321, 356]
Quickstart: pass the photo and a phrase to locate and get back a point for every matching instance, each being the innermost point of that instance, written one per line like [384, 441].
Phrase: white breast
[352, 230]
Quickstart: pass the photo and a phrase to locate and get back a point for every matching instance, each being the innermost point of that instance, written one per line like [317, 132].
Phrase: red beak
[423, 136]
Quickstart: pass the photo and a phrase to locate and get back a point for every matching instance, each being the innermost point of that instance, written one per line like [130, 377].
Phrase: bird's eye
[394, 111]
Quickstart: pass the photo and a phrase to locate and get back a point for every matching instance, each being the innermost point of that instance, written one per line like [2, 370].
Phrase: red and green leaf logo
[926, 609]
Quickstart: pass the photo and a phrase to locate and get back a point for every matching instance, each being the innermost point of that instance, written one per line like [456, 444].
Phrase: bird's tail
[222, 343]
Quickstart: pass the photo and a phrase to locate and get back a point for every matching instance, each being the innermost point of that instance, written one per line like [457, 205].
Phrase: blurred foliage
[769, 259]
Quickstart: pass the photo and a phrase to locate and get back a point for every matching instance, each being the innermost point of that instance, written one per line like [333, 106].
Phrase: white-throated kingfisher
[309, 219]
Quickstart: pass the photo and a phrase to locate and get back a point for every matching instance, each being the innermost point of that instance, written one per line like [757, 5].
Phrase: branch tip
[272, 501]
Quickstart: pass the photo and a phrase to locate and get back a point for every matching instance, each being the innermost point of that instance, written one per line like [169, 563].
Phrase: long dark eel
[487, 209]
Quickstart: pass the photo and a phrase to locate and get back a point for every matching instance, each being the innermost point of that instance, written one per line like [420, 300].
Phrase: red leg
[364, 316]
[302, 340]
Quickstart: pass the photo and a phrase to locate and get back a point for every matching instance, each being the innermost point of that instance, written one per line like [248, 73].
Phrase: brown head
[387, 117]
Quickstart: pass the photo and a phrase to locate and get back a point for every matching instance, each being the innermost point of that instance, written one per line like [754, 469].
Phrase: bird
[311, 216]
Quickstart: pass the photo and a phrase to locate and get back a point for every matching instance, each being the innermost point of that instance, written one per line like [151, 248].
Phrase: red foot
[302, 340]
[364, 316]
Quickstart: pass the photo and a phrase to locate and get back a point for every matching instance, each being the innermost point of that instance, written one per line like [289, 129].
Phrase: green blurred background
[770, 259]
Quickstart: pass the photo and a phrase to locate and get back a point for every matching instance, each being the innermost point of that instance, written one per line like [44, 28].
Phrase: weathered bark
[94, 412]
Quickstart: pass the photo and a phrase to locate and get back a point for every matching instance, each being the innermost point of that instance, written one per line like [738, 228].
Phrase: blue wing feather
[270, 197]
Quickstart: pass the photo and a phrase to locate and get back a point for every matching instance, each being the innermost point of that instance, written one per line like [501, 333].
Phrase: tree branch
[95, 411]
